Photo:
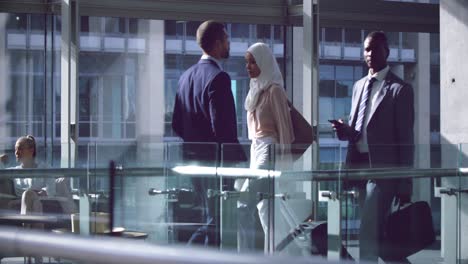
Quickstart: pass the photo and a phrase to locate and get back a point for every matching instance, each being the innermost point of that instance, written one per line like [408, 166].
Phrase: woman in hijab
[268, 116]
[269, 123]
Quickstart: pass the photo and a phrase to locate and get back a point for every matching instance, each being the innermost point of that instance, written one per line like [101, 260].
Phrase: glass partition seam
[459, 214]
[45, 85]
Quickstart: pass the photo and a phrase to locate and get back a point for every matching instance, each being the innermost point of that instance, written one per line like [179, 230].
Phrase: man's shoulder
[203, 68]
[363, 79]
[394, 79]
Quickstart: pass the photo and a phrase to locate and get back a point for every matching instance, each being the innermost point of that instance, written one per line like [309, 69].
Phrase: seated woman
[33, 190]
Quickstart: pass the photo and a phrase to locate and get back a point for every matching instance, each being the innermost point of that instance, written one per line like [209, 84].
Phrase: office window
[335, 90]
[326, 72]
[176, 62]
[90, 24]
[29, 79]
[174, 29]
[192, 27]
[263, 33]
[278, 33]
[114, 25]
[108, 79]
[353, 36]
[16, 22]
[240, 32]
[344, 72]
[333, 35]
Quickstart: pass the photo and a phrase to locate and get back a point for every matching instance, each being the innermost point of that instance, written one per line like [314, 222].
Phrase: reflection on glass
[27, 82]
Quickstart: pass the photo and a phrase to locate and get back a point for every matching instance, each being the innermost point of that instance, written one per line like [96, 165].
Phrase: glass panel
[240, 224]
[192, 27]
[412, 230]
[31, 77]
[338, 74]
[353, 37]
[333, 35]
[114, 25]
[240, 32]
[327, 72]
[462, 205]
[263, 33]
[34, 193]
[191, 171]
[122, 108]
[344, 72]
[182, 54]
[326, 100]
[342, 99]
[297, 218]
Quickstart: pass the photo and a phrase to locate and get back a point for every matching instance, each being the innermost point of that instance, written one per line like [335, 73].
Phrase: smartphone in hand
[335, 122]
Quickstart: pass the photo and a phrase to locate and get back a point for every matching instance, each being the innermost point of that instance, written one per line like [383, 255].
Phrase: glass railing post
[84, 199]
[462, 252]
[333, 224]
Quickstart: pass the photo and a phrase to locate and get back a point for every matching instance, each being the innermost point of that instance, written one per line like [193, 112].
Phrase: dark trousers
[204, 155]
[208, 233]
[375, 200]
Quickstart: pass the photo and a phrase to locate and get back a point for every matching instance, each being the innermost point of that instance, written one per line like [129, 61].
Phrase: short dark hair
[207, 34]
[380, 37]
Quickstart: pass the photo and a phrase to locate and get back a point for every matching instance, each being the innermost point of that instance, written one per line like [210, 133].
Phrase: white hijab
[269, 74]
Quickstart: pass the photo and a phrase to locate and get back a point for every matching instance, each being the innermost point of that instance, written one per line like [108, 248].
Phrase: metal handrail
[309, 175]
[23, 242]
[78, 172]
[374, 174]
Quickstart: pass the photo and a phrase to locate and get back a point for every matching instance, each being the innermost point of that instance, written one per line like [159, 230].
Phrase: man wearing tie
[380, 135]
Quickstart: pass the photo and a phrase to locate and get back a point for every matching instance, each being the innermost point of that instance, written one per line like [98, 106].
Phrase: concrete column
[69, 80]
[310, 89]
[298, 96]
[4, 89]
[150, 90]
[150, 126]
[310, 65]
[453, 128]
[419, 77]
[301, 96]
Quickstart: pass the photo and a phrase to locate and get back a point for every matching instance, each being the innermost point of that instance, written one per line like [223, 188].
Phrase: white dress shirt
[208, 57]
[371, 104]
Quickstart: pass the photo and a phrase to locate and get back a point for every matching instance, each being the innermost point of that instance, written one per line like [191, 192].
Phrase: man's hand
[42, 193]
[4, 159]
[343, 130]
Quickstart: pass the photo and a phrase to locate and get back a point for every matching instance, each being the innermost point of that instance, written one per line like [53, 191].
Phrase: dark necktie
[363, 105]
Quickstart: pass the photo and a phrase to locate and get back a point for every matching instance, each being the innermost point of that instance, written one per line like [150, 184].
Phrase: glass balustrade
[215, 195]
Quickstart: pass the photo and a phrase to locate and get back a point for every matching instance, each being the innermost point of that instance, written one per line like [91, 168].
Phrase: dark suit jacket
[204, 108]
[390, 129]
[391, 144]
[204, 112]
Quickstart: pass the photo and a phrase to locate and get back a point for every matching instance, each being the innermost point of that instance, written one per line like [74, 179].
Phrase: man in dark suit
[204, 112]
[380, 135]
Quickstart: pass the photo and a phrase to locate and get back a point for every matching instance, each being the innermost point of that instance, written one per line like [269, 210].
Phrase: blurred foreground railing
[307, 175]
[23, 242]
